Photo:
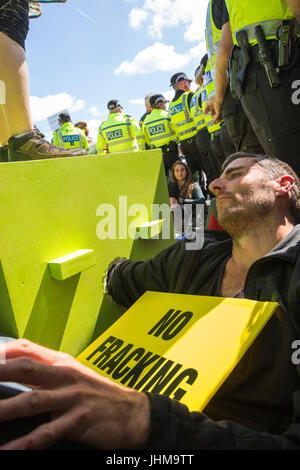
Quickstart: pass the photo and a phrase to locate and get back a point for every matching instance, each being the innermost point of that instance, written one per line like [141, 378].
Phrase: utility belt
[170, 147]
[271, 43]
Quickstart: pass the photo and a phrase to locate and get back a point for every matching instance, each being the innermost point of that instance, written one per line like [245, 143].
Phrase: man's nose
[216, 185]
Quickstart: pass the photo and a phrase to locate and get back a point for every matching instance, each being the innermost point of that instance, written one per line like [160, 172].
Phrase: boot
[33, 146]
[4, 153]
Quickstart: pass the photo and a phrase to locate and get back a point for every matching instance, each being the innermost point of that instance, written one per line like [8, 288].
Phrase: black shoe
[4, 153]
[33, 146]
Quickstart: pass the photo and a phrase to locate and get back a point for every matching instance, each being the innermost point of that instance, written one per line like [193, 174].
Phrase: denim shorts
[14, 19]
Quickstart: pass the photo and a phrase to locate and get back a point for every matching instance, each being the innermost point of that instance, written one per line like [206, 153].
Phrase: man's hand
[84, 406]
[213, 107]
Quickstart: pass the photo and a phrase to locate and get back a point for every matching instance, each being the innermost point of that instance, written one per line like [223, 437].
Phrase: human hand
[84, 406]
[213, 107]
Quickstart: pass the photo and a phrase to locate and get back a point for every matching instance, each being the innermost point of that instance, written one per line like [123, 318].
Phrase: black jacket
[260, 400]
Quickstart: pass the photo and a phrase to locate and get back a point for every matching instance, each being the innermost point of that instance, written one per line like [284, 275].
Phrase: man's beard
[246, 217]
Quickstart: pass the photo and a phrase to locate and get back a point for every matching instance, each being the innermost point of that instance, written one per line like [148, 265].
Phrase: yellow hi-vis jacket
[197, 111]
[120, 133]
[158, 128]
[212, 36]
[70, 137]
[181, 117]
[208, 91]
[251, 13]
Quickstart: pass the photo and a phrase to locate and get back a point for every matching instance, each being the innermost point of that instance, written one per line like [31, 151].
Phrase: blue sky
[81, 54]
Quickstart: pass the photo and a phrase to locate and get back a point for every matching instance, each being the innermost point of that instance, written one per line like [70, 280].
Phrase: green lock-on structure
[56, 219]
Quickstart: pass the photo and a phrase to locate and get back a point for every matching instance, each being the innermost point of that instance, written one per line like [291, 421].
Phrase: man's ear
[285, 184]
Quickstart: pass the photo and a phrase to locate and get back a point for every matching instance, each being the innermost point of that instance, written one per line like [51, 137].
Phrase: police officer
[160, 132]
[181, 117]
[210, 161]
[264, 71]
[221, 143]
[69, 136]
[236, 121]
[148, 108]
[120, 132]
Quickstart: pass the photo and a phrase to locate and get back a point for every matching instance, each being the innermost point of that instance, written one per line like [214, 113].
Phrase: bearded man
[258, 406]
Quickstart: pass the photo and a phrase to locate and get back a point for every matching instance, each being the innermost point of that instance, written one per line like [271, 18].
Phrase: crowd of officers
[182, 131]
[237, 105]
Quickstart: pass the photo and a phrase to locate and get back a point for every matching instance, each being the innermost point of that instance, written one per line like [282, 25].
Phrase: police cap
[178, 77]
[156, 99]
[112, 104]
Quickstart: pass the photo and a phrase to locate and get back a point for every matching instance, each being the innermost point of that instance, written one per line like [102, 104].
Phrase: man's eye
[235, 174]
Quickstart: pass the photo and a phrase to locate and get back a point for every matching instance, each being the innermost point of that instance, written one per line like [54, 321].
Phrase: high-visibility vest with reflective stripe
[196, 111]
[212, 36]
[158, 128]
[69, 137]
[181, 117]
[246, 13]
[120, 133]
[207, 92]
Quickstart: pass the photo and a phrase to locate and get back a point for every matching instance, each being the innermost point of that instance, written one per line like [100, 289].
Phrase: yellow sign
[182, 346]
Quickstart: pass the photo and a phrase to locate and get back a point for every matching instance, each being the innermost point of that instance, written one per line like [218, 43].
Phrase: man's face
[244, 196]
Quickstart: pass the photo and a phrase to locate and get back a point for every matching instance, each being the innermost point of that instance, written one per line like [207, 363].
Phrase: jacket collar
[289, 247]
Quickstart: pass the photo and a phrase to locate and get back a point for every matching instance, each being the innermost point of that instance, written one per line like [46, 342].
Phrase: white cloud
[138, 101]
[42, 107]
[188, 16]
[95, 111]
[77, 105]
[198, 51]
[158, 57]
[93, 126]
[137, 16]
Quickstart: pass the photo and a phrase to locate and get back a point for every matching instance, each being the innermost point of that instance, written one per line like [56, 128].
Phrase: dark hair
[83, 126]
[186, 190]
[274, 168]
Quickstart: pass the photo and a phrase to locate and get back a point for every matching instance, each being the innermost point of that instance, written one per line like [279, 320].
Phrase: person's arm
[174, 427]
[197, 196]
[221, 79]
[84, 407]
[55, 139]
[144, 130]
[127, 280]
[92, 410]
[101, 144]
[138, 133]
[295, 7]
[84, 142]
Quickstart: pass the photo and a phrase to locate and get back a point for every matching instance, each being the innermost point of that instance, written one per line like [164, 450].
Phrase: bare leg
[4, 128]
[14, 74]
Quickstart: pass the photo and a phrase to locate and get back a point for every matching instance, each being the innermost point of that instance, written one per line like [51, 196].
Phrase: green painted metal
[49, 210]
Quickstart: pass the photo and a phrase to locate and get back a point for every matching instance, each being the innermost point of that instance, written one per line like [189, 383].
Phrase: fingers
[23, 347]
[44, 436]
[27, 371]
[33, 403]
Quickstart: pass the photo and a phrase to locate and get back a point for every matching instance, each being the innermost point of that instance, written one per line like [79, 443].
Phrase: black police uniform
[237, 123]
[274, 112]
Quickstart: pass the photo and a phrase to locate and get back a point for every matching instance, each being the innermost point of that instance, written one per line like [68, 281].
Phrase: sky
[83, 53]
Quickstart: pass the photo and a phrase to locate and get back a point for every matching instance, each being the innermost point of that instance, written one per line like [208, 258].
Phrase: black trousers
[192, 155]
[210, 161]
[169, 158]
[14, 19]
[222, 145]
[274, 113]
[238, 126]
